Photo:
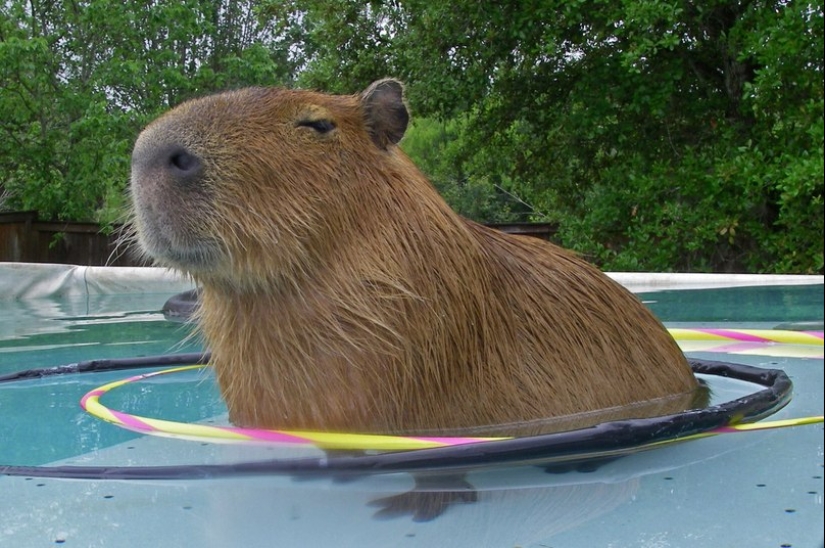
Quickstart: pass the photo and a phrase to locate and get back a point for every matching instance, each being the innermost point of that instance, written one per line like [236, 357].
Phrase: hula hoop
[602, 441]
[368, 442]
[762, 342]
[764, 336]
[231, 434]
[346, 441]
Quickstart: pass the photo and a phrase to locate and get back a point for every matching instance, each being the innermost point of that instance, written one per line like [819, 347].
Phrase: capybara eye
[321, 126]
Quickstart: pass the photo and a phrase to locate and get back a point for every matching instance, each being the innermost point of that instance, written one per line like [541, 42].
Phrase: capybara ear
[385, 113]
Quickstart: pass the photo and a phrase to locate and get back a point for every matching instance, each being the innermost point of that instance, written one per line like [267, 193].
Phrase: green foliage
[80, 79]
[661, 135]
[435, 147]
[658, 134]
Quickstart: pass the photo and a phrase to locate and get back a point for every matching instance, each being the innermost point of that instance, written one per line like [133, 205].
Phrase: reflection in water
[499, 518]
[515, 506]
[46, 332]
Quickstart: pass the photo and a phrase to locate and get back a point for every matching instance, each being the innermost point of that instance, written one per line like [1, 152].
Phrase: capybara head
[252, 185]
[339, 291]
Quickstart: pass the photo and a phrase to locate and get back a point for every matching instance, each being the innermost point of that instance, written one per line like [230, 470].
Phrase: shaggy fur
[340, 292]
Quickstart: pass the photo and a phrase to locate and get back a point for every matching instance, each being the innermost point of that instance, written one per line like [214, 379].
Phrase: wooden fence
[25, 239]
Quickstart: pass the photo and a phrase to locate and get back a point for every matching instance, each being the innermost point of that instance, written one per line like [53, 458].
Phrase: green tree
[80, 78]
[435, 147]
[660, 134]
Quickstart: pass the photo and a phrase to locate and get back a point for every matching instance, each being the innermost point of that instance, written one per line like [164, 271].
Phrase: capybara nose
[171, 161]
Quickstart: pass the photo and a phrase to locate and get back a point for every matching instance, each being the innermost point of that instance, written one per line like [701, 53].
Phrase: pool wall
[33, 281]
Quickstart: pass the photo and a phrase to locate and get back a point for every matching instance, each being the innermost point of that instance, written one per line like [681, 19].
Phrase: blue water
[750, 490]
[772, 305]
[48, 423]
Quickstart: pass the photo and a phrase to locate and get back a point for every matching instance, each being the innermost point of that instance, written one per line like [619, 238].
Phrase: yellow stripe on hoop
[748, 335]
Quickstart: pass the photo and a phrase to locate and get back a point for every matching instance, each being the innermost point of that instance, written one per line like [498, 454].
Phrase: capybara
[340, 292]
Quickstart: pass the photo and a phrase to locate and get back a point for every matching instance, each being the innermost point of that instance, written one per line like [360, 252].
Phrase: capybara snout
[166, 173]
[222, 180]
[340, 292]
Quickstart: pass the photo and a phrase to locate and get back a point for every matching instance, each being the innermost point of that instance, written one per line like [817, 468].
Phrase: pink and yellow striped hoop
[761, 342]
[231, 434]
[368, 442]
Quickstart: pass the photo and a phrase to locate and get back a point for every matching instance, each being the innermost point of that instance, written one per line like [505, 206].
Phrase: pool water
[758, 489]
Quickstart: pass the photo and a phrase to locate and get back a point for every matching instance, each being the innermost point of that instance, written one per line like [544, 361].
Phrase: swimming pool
[757, 489]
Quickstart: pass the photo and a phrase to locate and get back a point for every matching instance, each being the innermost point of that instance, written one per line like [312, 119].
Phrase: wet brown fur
[340, 292]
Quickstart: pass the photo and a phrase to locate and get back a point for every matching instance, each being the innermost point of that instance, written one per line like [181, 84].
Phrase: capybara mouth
[191, 257]
[170, 243]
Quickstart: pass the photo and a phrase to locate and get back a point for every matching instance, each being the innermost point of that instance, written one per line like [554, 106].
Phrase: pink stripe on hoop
[93, 394]
[132, 422]
[735, 335]
[726, 430]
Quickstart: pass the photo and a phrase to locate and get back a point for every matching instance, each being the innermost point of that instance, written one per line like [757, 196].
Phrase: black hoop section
[609, 438]
[98, 366]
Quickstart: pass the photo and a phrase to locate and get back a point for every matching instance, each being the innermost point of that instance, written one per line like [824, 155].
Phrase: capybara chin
[340, 292]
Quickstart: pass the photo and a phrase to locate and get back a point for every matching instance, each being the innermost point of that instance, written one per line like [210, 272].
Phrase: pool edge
[35, 280]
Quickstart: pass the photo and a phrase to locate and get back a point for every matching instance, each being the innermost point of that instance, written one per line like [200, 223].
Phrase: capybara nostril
[183, 164]
[171, 162]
